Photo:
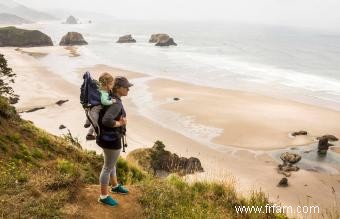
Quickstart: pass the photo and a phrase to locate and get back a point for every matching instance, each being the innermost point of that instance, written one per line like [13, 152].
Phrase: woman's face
[123, 91]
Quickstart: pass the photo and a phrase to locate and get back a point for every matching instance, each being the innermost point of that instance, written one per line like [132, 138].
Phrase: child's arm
[105, 99]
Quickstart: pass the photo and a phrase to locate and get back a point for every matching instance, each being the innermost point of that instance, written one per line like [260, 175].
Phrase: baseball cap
[121, 81]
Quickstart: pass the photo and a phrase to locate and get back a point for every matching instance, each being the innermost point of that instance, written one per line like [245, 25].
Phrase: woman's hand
[122, 121]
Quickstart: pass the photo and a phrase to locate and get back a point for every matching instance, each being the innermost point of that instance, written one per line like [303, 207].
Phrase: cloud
[284, 12]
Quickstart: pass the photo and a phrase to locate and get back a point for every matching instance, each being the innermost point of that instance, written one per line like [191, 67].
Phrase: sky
[322, 13]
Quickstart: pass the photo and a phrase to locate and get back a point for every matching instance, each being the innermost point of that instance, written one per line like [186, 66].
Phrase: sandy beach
[248, 120]
[251, 124]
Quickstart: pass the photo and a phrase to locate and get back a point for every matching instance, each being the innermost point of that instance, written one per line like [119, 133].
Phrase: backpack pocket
[110, 136]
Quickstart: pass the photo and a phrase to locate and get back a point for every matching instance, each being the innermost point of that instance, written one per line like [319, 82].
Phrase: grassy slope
[40, 174]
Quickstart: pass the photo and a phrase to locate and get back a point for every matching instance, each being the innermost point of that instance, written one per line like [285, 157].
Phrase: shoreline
[251, 171]
[261, 122]
[187, 106]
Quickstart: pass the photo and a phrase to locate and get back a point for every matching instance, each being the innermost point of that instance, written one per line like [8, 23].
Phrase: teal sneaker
[108, 201]
[120, 189]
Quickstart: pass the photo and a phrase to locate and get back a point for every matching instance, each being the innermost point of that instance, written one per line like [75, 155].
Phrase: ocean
[283, 62]
[298, 64]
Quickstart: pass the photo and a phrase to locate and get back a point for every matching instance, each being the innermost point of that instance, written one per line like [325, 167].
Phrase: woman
[113, 123]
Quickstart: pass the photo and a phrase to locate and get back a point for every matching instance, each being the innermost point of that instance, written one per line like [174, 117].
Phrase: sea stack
[12, 36]
[71, 20]
[162, 39]
[72, 39]
[126, 39]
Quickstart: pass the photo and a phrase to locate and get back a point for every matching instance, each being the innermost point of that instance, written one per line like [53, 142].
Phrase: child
[106, 82]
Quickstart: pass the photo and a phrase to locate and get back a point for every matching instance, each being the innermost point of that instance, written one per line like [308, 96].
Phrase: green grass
[66, 167]
[128, 173]
[13, 176]
[40, 173]
[3, 144]
[175, 198]
[44, 142]
[15, 138]
[37, 153]
[6, 110]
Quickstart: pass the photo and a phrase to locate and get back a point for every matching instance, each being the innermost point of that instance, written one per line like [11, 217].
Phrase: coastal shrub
[3, 147]
[27, 127]
[71, 139]
[89, 174]
[6, 78]
[12, 174]
[90, 164]
[175, 198]
[127, 173]
[95, 160]
[66, 167]
[142, 158]
[46, 207]
[156, 154]
[66, 177]
[44, 141]
[199, 187]
[15, 138]
[23, 147]
[37, 153]
[3, 144]
[177, 182]
[7, 111]
[136, 174]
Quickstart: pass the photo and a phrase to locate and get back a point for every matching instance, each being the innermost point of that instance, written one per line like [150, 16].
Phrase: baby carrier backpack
[89, 98]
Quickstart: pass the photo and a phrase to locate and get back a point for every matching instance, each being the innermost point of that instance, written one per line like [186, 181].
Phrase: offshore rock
[12, 36]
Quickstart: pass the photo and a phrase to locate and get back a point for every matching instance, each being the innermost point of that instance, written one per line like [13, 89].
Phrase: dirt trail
[87, 205]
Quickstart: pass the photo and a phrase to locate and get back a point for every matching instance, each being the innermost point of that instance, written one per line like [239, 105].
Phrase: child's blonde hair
[105, 79]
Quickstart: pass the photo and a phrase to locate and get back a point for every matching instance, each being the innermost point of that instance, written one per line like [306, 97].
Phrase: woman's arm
[110, 115]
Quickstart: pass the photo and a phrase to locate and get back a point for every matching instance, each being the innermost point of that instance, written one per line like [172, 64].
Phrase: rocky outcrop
[299, 133]
[329, 137]
[323, 146]
[155, 37]
[162, 39]
[289, 159]
[166, 42]
[71, 20]
[173, 163]
[126, 39]
[34, 109]
[61, 102]
[72, 39]
[12, 36]
[157, 159]
[283, 182]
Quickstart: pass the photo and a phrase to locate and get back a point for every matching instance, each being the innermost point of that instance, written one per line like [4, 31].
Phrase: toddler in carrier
[106, 82]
